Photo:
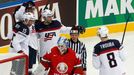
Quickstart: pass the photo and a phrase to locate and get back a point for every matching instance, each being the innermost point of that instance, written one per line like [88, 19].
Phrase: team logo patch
[49, 36]
[62, 67]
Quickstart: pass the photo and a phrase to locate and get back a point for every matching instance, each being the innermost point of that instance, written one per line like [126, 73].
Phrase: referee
[78, 46]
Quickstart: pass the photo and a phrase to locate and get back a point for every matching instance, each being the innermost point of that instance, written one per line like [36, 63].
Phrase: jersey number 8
[112, 61]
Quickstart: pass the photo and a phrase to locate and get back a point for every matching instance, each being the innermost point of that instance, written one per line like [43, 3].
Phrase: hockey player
[49, 31]
[20, 41]
[33, 43]
[108, 55]
[78, 46]
[62, 60]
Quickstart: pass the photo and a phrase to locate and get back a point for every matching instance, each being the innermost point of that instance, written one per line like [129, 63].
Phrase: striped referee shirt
[79, 48]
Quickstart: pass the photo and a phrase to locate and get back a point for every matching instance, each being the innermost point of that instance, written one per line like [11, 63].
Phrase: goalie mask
[62, 44]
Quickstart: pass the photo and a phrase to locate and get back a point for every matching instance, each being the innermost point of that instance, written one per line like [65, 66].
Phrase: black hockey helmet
[77, 30]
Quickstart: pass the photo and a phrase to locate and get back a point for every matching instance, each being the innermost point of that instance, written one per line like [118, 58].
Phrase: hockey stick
[46, 7]
[48, 2]
[125, 29]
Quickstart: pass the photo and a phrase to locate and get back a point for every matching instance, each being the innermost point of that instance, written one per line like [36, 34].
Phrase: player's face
[62, 48]
[48, 19]
[30, 22]
[103, 38]
[74, 36]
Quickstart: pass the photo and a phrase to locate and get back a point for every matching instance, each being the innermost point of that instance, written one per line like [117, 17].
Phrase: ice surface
[90, 42]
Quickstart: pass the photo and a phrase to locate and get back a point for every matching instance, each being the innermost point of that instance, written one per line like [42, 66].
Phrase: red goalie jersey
[66, 64]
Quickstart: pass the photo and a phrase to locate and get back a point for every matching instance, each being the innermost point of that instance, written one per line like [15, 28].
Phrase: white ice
[90, 43]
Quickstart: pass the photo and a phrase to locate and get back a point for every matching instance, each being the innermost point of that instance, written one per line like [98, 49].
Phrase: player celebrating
[20, 41]
[78, 46]
[49, 31]
[62, 60]
[33, 43]
[108, 55]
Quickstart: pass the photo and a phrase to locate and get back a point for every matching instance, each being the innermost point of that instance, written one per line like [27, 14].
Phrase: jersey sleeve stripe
[14, 30]
[50, 29]
[108, 50]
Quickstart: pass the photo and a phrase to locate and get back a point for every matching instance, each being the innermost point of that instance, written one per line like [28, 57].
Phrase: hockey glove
[20, 51]
[81, 29]
[28, 4]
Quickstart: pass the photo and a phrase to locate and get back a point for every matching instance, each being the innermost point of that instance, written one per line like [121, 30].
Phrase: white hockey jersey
[33, 37]
[49, 35]
[108, 58]
[33, 41]
[20, 38]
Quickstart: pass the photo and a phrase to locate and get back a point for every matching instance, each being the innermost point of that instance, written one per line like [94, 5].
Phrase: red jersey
[62, 64]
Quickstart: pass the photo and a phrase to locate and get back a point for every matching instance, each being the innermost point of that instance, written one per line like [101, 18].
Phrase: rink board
[91, 41]
[114, 28]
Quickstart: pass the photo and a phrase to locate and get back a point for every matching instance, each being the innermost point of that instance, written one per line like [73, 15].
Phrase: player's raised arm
[65, 29]
[25, 7]
[19, 13]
